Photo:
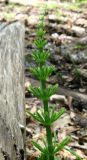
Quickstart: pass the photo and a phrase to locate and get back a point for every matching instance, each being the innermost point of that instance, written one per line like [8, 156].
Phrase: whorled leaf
[40, 32]
[62, 144]
[55, 138]
[73, 153]
[56, 115]
[40, 57]
[42, 73]
[40, 118]
[37, 116]
[43, 94]
[40, 43]
[38, 146]
[43, 150]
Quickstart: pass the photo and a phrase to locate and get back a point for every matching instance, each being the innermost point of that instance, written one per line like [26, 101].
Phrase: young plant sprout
[47, 115]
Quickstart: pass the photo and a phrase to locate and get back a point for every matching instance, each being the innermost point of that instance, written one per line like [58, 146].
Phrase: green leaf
[38, 146]
[43, 94]
[40, 117]
[36, 116]
[52, 110]
[57, 115]
[32, 115]
[40, 43]
[40, 32]
[44, 141]
[40, 57]
[44, 151]
[55, 138]
[73, 153]
[42, 73]
[41, 25]
[41, 22]
[48, 121]
[61, 145]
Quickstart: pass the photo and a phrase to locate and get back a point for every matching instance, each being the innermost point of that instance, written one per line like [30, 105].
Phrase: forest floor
[66, 34]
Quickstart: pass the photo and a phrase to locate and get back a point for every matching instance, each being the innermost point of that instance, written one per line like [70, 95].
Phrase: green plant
[47, 114]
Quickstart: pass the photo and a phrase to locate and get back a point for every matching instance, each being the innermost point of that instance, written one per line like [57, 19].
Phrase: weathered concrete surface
[11, 91]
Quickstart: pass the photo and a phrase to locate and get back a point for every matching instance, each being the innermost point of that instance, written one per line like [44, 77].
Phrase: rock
[52, 18]
[82, 90]
[83, 73]
[79, 57]
[65, 38]
[79, 104]
[83, 40]
[73, 54]
[79, 31]
[81, 22]
[52, 27]
[76, 95]
[61, 98]
[55, 36]
[82, 122]
[21, 16]
[33, 19]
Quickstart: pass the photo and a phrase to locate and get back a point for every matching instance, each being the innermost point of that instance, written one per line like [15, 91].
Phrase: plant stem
[48, 128]
[49, 140]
